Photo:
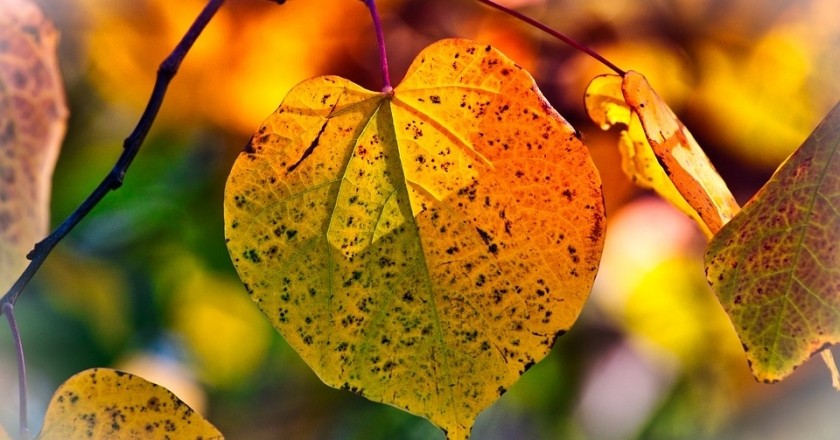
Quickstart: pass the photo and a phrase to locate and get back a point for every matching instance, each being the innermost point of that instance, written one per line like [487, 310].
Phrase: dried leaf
[658, 151]
[776, 266]
[422, 248]
[32, 124]
[101, 403]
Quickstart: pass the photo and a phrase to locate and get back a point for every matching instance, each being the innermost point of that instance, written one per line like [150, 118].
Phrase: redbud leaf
[423, 247]
[658, 151]
[776, 266]
[101, 403]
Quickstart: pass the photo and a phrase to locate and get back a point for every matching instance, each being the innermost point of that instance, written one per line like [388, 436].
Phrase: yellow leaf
[776, 266]
[102, 403]
[658, 152]
[32, 123]
[425, 247]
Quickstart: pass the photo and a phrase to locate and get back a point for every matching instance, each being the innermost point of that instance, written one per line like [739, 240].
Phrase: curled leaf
[776, 266]
[658, 152]
[425, 247]
[101, 403]
[32, 123]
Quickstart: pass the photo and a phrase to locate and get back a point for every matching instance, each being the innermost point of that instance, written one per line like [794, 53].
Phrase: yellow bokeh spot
[765, 106]
[673, 309]
[222, 327]
[245, 61]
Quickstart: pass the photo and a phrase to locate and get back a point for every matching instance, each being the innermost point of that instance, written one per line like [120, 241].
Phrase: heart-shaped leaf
[423, 247]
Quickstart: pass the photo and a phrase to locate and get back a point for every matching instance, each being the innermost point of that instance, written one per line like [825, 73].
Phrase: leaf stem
[555, 34]
[832, 368]
[380, 41]
[9, 311]
[166, 71]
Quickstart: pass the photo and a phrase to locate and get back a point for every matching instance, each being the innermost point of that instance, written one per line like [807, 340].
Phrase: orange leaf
[658, 151]
[422, 248]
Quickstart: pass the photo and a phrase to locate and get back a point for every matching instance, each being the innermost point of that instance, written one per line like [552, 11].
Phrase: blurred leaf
[240, 49]
[776, 266]
[422, 248]
[785, 75]
[102, 403]
[658, 151]
[32, 124]
[208, 304]
[673, 309]
[93, 290]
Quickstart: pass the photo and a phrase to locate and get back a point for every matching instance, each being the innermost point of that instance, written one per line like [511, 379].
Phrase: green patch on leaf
[776, 265]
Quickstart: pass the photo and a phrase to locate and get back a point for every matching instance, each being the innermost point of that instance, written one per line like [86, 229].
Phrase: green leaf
[32, 123]
[776, 265]
[424, 247]
[108, 404]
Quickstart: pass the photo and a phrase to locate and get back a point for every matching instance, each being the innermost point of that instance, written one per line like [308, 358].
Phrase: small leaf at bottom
[101, 403]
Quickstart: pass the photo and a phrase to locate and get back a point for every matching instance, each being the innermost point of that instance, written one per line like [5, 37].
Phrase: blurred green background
[145, 283]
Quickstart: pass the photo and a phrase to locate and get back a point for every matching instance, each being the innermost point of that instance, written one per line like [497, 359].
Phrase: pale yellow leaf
[101, 403]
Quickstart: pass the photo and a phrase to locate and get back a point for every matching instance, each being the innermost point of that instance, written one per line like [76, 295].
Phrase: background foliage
[145, 282]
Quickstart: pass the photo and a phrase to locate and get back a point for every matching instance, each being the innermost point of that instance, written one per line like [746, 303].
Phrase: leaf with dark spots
[101, 403]
[411, 226]
[33, 118]
[775, 266]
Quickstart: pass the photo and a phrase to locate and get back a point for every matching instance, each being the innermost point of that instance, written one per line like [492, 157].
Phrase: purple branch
[131, 146]
[555, 34]
[167, 70]
[380, 41]
[9, 310]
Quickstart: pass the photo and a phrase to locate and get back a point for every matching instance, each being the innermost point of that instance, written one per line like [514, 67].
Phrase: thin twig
[112, 181]
[9, 310]
[555, 34]
[167, 70]
[380, 41]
